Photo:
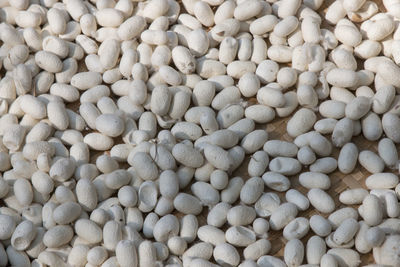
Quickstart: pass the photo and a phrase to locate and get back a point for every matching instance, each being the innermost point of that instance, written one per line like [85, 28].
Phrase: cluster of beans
[122, 122]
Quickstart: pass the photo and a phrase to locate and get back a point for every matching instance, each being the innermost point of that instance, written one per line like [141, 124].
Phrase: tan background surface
[340, 182]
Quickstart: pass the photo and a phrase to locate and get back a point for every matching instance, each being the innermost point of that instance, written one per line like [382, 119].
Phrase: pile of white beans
[122, 121]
